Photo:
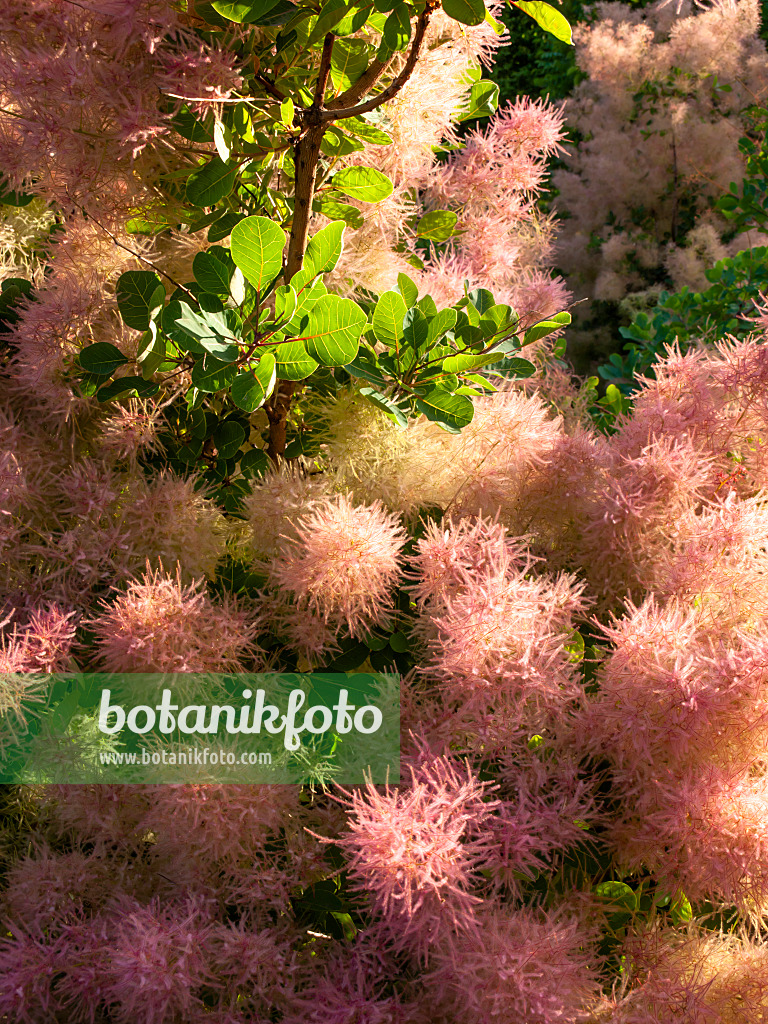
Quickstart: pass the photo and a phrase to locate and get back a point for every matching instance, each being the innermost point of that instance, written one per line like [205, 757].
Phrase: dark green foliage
[686, 317]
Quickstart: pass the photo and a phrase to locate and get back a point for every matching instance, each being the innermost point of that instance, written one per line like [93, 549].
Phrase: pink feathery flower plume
[518, 965]
[449, 555]
[159, 625]
[416, 850]
[501, 643]
[343, 564]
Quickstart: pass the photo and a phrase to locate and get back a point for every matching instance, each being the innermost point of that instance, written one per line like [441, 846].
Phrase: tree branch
[325, 70]
[270, 87]
[362, 86]
[393, 89]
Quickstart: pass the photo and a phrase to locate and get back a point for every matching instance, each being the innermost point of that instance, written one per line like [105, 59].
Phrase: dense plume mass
[584, 612]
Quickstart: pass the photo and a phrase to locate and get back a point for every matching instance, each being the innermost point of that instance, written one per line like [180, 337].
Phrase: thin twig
[137, 255]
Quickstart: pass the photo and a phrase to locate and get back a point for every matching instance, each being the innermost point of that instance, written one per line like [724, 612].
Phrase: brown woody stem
[306, 157]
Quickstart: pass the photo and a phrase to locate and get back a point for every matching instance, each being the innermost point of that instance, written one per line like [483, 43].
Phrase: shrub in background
[659, 119]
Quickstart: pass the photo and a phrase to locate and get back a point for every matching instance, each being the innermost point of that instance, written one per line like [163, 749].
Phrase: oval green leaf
[243, 12]
[334, 327]
[468, 12]
[388, 318]
[125, 386]
[334, 210]
[257, 248]
[547, 17]
[210, 183]
[139, 293]
[451, 412]
[619, 894]
[546, 327]
[468, 361]
[437, 226]
[363, 183]
[228, 437]
[213, 271]
[251, 388]
[292, 361]
[211, 375]
[102, 359]
[326, 247]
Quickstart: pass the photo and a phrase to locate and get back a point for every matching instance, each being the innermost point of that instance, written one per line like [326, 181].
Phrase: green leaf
[386, 405]
[464, 361]
[334, 210]
[254, 463]
[326, 247]
[308, 292]
[125, 386]
[547, 17]
[210, 375]
[681, 909]
[483, 100]
[213, 270]
[286, 302]
[498, 26]
[427, 306]
[399, 642]
[518, 367]
[499, 319]
[367, 131]
[546, 327]
[352, 22]
[251, 388]
[348, 62]
[397, 28]
[408, 289]
[618, 894]
[212, 182]
[332, 13]
[333, 330]
[440, 324]
[292, 361]
[191, 127]
[451, 412]
[169, 323]
[139, 294]
[151, 352]
[366, 368]
[415, 328]
[102, 359]
[363, 183]
[437, 225]
[278, 15]
[388, 318]
[287, 112]
[243, 12]
[228, 437]
[212, 331]
[257, 248]
[223, 226]
[468, 12]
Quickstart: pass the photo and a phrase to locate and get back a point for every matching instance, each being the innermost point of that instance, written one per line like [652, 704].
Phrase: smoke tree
[254, 419]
